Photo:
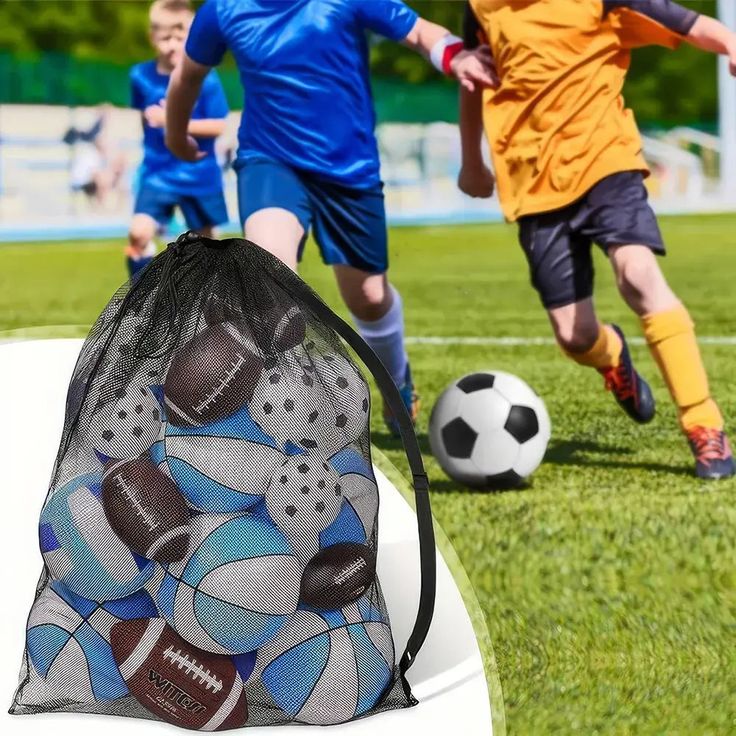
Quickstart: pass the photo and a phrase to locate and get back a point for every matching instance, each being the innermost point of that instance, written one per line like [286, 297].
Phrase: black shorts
[558, 243]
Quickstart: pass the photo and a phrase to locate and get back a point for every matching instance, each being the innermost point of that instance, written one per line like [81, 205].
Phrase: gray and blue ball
[236, 587]
[67, 640]
[80, 548]
[328, 667]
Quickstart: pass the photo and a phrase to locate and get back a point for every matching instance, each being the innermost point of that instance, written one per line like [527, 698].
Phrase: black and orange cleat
[411, 400]
[631, 391]
[713, 457]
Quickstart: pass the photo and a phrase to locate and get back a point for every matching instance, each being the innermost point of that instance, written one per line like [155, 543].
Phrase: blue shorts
[558, 244]
[201, 211]
[349, 224]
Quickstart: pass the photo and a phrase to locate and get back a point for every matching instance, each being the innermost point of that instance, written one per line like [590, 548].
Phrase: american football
[338, 575]
[146, 510]
[212, 376]
[277, 329]
[176, 681]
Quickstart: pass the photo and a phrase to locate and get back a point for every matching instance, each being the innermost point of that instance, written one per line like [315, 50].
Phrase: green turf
[609, 585]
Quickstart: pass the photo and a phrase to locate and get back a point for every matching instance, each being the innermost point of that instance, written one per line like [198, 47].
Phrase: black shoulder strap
[413, 453]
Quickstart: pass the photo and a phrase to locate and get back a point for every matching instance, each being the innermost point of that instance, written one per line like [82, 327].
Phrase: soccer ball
[489, 430]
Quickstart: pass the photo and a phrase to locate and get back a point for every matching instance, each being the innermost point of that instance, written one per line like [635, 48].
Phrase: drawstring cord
[177, 258]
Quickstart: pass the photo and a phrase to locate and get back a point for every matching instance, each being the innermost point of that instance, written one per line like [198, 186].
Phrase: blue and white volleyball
[67, 639]
[126, 426]
[328, 667]
[80, 548]
[303, 498]
[223, 467]
[235, 588]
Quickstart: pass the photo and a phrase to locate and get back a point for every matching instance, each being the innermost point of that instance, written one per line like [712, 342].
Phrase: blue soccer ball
[223, 467]
[235, 588]
[328, 667]
[68, 643]
[80, 548]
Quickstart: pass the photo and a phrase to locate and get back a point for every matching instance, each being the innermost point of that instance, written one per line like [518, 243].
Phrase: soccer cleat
[713, 457]
[411, 401]
[631, 391]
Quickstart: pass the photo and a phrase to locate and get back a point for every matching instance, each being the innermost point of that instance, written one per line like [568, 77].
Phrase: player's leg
[274, 208]
[141, 242]
[562, 272]
[378, 312]
[153, 211]
[350, 229]
[670, 334]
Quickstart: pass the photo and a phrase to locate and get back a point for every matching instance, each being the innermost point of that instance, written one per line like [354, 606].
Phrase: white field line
[36, 333]
[512, 341]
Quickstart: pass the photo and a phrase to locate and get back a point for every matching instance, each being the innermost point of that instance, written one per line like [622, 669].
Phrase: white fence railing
[40, 175]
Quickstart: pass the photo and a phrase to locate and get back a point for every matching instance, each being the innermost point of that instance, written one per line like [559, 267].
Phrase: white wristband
[439, 53]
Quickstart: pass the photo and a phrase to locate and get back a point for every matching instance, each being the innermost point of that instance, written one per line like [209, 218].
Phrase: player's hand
[186, 149]
[476, 181]
[732, 57]
[475, 69]
[155, 115]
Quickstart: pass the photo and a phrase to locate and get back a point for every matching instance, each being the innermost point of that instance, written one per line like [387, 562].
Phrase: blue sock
[386, 337]
[135, 265]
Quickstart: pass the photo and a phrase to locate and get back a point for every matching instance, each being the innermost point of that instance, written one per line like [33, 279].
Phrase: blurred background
[64, 118]
[608, 584]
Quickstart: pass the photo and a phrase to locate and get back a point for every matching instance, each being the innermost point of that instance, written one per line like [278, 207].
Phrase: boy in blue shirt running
[167, 182]
[308, 156]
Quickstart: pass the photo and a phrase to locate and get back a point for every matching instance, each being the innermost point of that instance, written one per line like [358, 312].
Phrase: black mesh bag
[210, 532]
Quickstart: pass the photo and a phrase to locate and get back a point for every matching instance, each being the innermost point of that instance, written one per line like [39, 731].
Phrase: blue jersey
[304, 68]
[160, 168]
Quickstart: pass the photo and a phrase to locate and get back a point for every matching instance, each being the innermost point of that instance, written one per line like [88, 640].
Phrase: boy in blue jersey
[307, 154]
[167, 182]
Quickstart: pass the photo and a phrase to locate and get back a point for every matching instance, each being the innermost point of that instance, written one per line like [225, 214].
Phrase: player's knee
[370, 302]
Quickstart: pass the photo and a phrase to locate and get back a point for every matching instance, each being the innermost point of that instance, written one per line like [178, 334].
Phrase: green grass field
[608, 585]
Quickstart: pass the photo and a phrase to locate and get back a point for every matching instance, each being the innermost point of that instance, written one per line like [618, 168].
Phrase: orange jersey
[557, 124]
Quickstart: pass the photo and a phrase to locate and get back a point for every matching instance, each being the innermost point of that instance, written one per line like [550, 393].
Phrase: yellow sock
[606, 352]
[671, 338]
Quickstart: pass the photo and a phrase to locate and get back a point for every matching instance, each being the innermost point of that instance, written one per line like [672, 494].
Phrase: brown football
[146, 510]
[176, 681]
[276, 328]
[338, 575]
[212, 376]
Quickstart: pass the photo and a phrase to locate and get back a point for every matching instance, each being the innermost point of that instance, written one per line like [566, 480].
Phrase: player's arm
[137, 101]
[699, 30]
[184, 89]
[710, 34]
[475, 178]
[205, 48]
[155, 116]
[472, 68]
[395, 20]
[206, 127]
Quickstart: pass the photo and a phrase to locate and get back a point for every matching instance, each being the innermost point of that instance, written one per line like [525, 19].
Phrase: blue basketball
[223, 467]
[329, 667]
[81, 549]
[68, 643]
[235, 588]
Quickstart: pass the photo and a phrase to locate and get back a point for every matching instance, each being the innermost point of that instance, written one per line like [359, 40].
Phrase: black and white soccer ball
[489, 430]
